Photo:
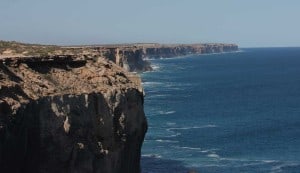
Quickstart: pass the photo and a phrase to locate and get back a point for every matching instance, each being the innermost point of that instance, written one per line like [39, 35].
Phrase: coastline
[41, 86]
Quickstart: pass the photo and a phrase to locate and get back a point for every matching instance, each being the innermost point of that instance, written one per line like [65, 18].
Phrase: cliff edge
[132, 57]
[61, 114]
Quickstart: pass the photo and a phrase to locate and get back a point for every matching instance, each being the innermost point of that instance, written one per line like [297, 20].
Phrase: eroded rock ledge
[69, 114]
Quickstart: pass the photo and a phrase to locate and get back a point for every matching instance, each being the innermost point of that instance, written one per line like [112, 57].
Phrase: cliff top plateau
[25, 78]
[17, 49]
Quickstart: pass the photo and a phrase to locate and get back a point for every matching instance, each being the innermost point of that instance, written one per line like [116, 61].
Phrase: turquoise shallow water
[229, 113]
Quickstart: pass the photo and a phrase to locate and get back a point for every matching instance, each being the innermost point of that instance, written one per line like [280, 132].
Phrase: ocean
[224, 113]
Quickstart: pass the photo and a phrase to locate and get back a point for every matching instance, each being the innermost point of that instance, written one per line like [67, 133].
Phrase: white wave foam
[191, 148]
[173, 84]
[156, 96]
[159, 95]
[166, 112]
[173, 135]
[220, 53]
[176, 89]
[170, 124]
[152, 155]
[155, 67]
[151, 58]
[177, 57]
[205, 151]
[213, 155]
[166, 141]
[278, 168]
[194, 127]
[250, 160]
[270, 161]
[196, 149]
[151, 83]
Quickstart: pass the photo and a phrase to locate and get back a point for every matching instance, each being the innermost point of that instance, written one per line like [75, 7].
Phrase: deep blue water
[224, 113]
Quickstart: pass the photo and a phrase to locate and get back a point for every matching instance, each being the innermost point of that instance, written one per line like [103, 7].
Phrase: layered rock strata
[167, 51]
[133, 57]
[61, 114]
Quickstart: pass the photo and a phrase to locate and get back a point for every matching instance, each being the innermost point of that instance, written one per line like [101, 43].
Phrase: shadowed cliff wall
[60, 115]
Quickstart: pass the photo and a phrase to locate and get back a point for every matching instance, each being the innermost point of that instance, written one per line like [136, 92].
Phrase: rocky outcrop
[69, 114]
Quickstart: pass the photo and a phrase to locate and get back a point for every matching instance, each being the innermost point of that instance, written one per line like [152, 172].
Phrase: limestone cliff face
[131, 59]
[167, 51]
[134, 57]
[69, 114]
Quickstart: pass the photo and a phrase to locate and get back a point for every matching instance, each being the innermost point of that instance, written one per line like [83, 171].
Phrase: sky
[248, 23]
